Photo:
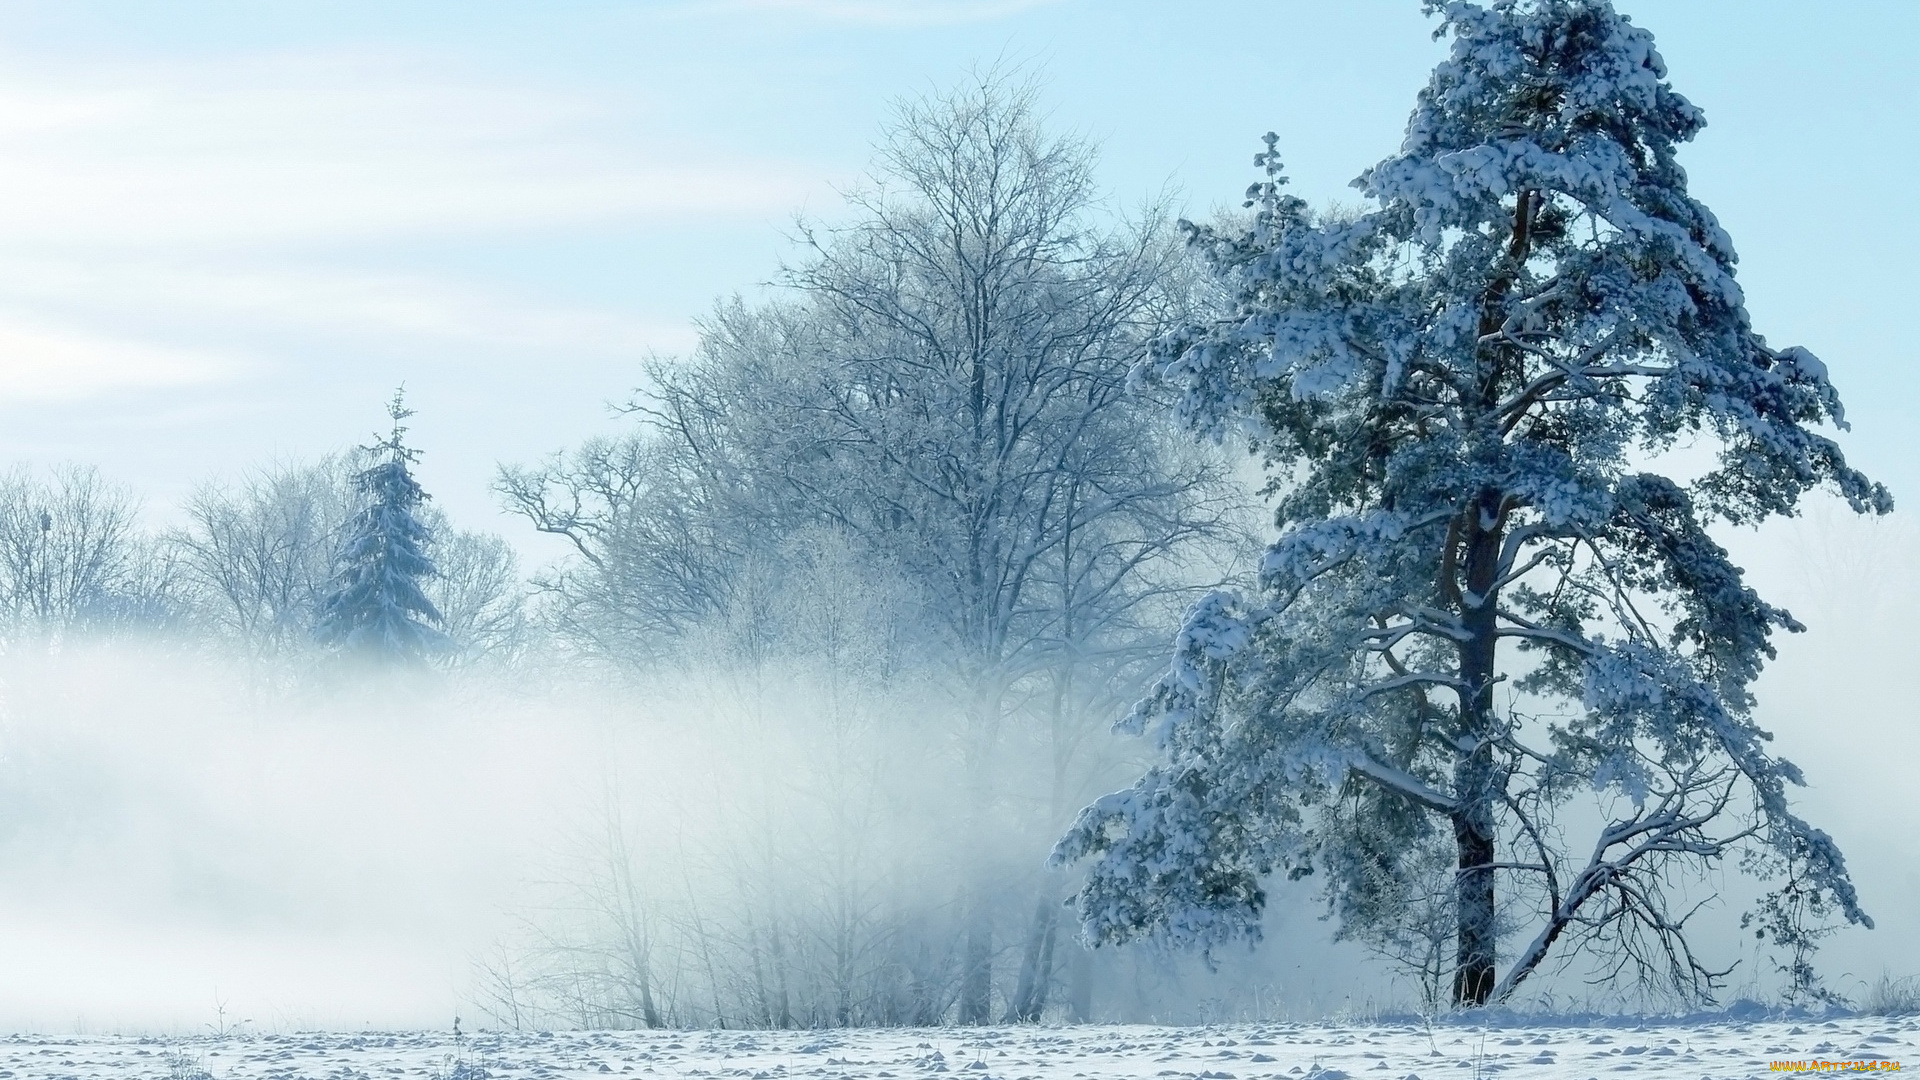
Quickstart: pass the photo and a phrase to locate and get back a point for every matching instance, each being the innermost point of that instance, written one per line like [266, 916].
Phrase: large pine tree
[375, 607]
[1488, 401]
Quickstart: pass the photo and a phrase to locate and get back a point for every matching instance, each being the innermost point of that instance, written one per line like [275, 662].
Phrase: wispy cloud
[148, 205]
[885, 12]
[40, 362]
[330, 303]
[338, 147]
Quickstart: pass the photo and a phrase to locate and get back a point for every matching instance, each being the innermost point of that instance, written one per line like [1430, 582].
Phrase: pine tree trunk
[1479, 531]
[1474, 779]
[1473, 973]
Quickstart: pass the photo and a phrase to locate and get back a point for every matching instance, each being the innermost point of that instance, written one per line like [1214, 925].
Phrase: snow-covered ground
[1276, 1051]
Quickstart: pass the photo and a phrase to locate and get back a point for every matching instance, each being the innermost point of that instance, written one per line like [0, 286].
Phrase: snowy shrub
[1891, 996]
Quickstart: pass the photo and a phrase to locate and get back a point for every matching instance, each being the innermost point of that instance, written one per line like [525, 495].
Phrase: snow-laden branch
[1399, 781]
[1522, 627]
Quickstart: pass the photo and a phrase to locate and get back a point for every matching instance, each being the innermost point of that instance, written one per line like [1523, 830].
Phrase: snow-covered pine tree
[375, 606]
[1484, 401]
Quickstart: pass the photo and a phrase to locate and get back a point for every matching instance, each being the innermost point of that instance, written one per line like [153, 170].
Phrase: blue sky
[227, 230]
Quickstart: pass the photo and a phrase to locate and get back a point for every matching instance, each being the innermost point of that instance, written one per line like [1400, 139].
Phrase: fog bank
[185, 848]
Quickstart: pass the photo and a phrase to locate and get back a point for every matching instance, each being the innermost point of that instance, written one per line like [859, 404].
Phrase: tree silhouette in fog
[376, 606]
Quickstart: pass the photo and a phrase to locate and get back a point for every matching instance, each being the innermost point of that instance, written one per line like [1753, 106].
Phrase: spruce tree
[375, 607]
[1487, 401]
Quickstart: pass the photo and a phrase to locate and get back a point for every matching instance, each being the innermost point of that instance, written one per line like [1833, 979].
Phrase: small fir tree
[1488, 597]
[375, 606]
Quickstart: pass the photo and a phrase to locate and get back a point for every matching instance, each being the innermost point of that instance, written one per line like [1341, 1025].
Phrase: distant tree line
[251, 570]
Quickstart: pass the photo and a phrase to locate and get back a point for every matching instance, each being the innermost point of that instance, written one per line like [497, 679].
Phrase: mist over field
[1837, 702]
[183, 841]
[184, 844]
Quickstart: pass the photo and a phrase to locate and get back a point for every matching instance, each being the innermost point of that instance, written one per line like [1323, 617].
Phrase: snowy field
[1721, 1048]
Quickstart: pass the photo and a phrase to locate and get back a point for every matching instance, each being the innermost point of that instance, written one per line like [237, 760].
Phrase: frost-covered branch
[1671, 826]
[1400, 782]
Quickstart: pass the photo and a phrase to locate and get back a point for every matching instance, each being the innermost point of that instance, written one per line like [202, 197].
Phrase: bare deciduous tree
[261, 550]
[71, 555]
[945, 389]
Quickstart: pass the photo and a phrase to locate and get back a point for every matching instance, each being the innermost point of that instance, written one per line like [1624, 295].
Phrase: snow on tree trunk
[1458, 389]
